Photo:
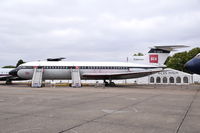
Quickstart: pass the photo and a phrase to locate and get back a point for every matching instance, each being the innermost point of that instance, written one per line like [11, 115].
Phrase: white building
[169, 76]
[196, 78]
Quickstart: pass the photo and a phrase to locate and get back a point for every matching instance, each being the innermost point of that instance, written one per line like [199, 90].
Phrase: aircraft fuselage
[88, 70]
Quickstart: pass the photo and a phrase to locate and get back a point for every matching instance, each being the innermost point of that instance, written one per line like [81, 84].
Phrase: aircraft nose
[187, 65]
[14, 72]
[191, 65]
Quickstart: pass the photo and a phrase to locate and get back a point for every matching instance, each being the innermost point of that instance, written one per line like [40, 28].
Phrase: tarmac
[125, 109]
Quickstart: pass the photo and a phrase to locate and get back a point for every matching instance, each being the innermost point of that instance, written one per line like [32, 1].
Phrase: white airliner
[55, 69]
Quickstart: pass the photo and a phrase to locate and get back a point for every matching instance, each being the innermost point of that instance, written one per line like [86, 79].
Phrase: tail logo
[153, 58]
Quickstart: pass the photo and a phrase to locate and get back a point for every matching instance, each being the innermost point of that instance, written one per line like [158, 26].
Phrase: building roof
[170, 71]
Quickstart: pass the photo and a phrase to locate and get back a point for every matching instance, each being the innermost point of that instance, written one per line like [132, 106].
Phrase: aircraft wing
[118, 75]
[4, 77]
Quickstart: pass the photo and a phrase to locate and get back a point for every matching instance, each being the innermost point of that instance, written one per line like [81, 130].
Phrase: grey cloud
[93, 29]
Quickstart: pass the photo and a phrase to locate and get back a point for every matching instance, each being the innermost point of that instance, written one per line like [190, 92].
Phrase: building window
[185, 80]
[178, 80]
[171, 80]
[158, 80]
[165, 80]
[152, 80]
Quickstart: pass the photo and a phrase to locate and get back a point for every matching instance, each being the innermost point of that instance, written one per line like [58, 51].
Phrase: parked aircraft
[193, 65]
[56, 69]
[5, 76]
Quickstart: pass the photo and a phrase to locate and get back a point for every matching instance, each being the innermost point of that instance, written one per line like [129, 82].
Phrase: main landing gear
[110, 83]
[8, 82]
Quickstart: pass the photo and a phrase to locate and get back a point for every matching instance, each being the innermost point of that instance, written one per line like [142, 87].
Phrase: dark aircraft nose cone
[14, 72]
[187, 66]
[193, 66]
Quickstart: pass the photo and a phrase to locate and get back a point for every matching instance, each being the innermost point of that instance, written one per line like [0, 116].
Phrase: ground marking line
[97, 118]
[187, 111]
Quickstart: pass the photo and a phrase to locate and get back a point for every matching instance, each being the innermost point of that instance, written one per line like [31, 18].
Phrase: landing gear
[110, 84]
[8, 82]
[106, 83]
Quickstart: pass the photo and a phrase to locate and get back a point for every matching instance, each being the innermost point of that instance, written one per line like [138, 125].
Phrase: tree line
[178, 60]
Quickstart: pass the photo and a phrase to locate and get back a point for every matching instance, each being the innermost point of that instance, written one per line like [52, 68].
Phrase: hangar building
[169, 76]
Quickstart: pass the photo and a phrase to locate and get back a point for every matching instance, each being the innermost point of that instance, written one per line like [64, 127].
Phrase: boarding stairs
[37, 77]
[76, 79]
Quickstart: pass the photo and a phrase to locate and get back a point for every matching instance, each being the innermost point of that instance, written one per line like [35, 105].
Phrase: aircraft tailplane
[157, 55]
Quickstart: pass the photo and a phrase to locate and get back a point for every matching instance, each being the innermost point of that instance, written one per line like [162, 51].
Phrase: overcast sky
[94, 30]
